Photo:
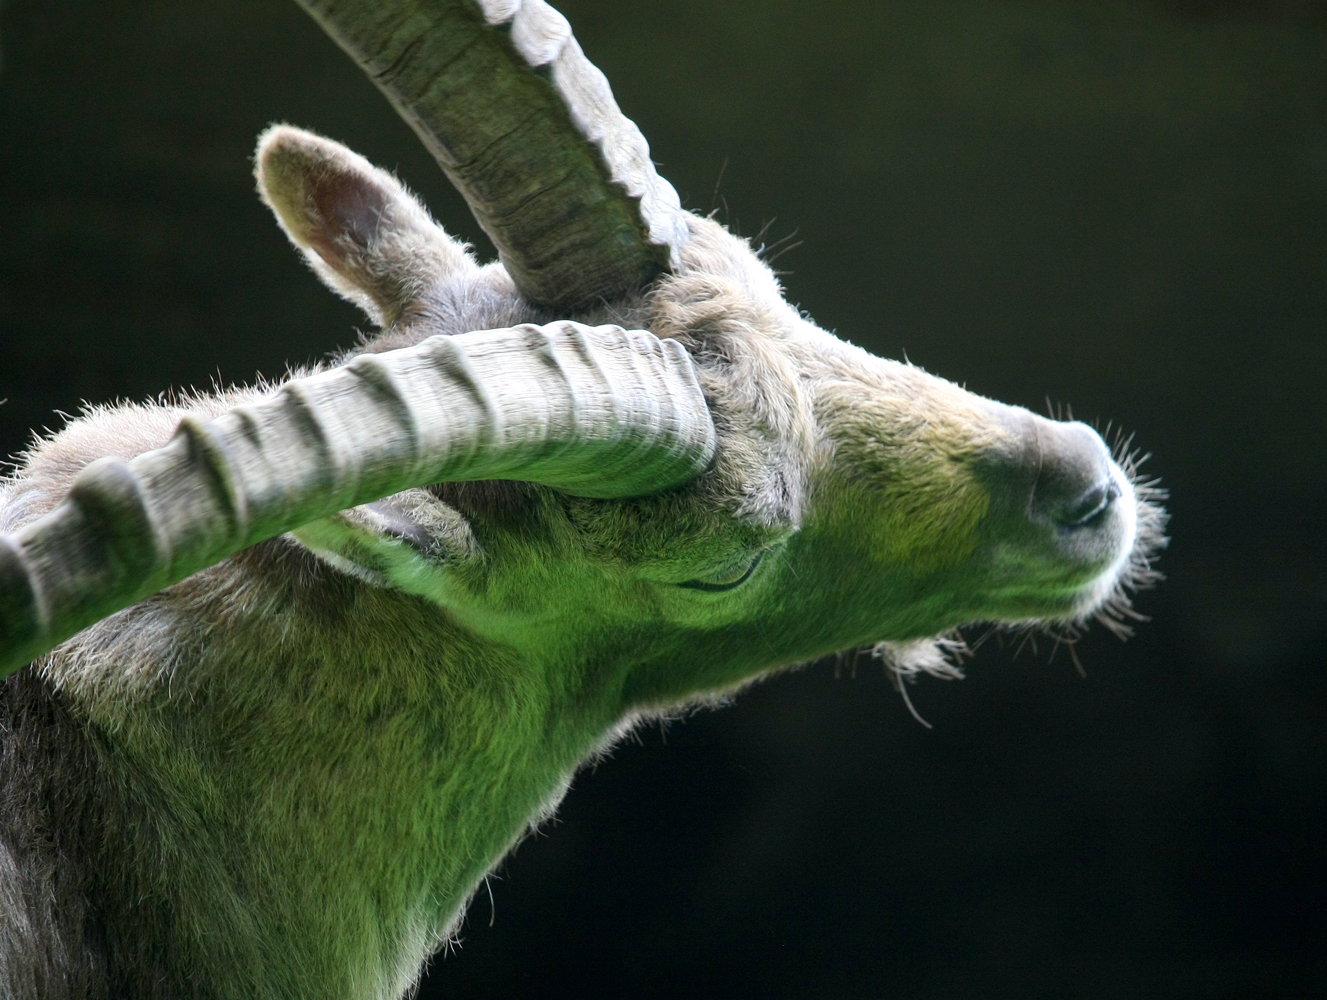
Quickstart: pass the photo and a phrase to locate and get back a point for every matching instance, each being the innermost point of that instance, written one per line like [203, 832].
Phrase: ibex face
[952, 508]
[851, 501]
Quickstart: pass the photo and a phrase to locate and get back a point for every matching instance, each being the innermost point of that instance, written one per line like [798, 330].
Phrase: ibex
[300, 663]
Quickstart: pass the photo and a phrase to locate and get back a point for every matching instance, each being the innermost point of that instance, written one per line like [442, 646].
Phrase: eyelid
[731, 584]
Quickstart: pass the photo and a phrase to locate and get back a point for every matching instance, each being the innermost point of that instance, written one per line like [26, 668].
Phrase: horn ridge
[592, 411]
[528, 131]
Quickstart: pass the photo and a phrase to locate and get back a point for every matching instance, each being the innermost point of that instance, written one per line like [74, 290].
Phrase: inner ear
[348, 213]
[410, 541]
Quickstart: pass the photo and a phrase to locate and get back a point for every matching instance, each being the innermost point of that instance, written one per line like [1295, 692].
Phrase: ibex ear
[363, 234]
[410, 541]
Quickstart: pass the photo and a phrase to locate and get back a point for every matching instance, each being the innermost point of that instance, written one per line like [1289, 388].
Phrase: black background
[1120, 205]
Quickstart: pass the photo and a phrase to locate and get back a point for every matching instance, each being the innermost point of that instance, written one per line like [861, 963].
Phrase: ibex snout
[1081, 497]
[1074, 485]
[1070, 512]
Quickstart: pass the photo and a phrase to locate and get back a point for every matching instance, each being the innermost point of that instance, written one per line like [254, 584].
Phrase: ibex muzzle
[307, 659]
[1068, 513]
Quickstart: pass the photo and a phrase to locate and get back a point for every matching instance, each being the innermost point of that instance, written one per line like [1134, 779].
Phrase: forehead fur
[725, 307]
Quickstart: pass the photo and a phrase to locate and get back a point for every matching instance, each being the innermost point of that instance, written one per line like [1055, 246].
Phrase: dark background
[1120, 205]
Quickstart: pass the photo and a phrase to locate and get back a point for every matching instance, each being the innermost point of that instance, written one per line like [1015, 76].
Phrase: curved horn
[594, 411]
[528, 131]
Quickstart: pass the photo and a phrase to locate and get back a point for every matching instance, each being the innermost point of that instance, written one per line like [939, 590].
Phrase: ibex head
[735, 490]
[850, 500]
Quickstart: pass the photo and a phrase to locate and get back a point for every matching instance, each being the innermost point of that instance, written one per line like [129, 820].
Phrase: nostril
[1089, 505]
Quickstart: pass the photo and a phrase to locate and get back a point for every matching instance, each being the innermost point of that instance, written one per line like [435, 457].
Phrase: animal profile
[293, 666]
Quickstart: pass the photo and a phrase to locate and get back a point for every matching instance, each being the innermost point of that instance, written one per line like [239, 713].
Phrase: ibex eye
[724, 584]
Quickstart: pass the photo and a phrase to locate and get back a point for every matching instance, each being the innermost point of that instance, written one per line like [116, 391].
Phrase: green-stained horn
[528, 131]
[592, 411]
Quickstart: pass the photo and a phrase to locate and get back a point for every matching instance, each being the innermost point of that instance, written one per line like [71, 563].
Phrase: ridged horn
[528, 131]
[593, 411]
